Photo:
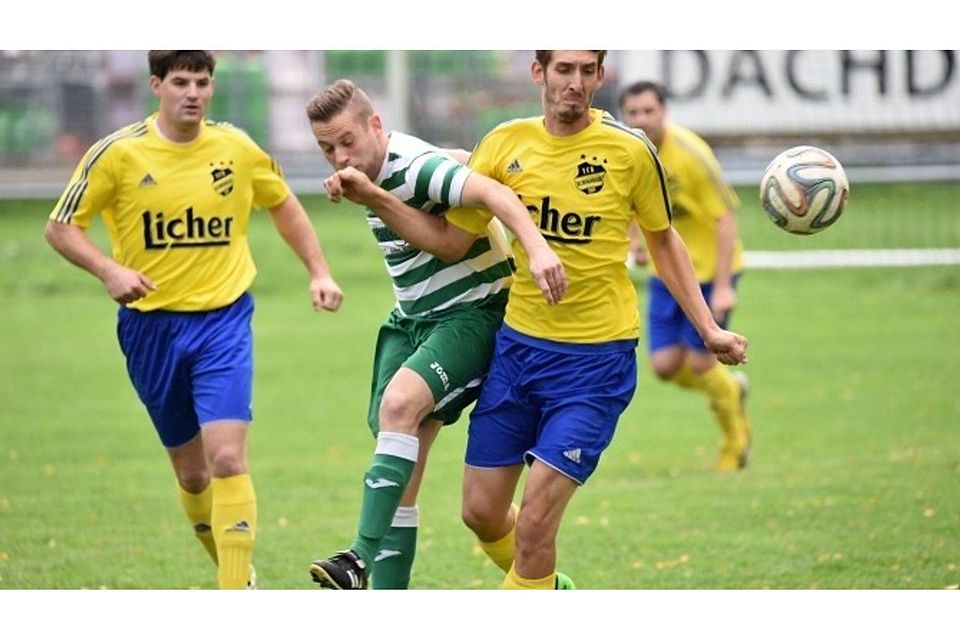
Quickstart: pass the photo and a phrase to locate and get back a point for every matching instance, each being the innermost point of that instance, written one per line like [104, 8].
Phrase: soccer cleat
[343, 570]
[252, 579]
[563, 582]
[735, 455]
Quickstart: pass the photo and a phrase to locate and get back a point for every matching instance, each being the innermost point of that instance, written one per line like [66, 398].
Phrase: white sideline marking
[850, 258]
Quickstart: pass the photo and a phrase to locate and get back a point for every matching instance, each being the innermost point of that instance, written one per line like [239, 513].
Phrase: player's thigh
[159, 369]
[454, 358]
[222, 369]
[582, 402]
[394, 346]
[503, 424]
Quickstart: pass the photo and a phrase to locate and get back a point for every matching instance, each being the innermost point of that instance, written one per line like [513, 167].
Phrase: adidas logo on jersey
[514, 167]
[572, 455]
[148, 181]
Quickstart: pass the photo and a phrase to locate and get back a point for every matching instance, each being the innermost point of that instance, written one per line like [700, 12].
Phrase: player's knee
[193, 480]
[400, 412]
[664, 373]
[481, 518]
[532, 525]
[666, 363]
[227, 461]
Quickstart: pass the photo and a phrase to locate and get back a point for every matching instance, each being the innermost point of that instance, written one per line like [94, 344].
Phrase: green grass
[855, 480]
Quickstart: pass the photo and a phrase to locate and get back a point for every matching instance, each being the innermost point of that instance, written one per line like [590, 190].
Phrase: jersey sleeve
[475, 219]
[650, 199]
[269, 187]
[434, 177]
[91, 188]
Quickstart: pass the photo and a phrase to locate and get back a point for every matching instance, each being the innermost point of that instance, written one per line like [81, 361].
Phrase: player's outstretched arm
[294, 226]
[724, 297]
[123, 284]
[545, 267]
[427, 232]
[675, 269]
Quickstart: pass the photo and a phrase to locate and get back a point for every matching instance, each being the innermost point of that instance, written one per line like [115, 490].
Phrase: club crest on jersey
[222, 178]
[590, 175]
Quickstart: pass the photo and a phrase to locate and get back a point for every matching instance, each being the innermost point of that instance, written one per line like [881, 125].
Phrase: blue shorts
[190, 368]
[555, 402]
[667, 326]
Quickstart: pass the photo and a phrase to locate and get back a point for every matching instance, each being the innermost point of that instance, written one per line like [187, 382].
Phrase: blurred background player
[434, 349]
[176, 192]
[704, 214]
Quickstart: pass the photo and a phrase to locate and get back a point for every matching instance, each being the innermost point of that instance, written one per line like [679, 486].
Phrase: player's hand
[356, 187]
[722, 301]
[325, 294]
[729, 347]
[333, 188]
[547, 271]
[126, 285]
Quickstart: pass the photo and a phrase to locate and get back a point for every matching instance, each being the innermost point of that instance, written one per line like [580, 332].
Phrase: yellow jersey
[582, 191]
[700, 197]
[177, 212]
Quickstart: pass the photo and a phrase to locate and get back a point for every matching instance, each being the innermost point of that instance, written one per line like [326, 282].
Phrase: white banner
[801, 91]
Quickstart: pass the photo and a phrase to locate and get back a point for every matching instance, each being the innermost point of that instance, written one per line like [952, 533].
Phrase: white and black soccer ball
[804, 190]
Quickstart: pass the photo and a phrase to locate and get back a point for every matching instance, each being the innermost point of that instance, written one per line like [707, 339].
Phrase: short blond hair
[336, 98]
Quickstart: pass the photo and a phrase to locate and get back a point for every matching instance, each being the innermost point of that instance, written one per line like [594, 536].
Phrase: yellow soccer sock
[501, 551]
[198, 507]
[234, 522]
[514, 581]
[724, 394]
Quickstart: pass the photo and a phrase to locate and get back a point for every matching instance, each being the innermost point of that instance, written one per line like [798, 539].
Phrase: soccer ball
[804, 190]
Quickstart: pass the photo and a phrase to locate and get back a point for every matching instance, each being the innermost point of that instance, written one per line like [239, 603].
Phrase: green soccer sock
[394, 560]
[383, 487]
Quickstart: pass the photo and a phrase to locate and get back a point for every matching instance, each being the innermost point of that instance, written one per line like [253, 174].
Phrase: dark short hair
[334, 99]
[543, 56]
[642, 87]
[163, 62]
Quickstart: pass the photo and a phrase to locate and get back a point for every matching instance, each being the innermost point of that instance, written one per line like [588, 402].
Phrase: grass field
[855, 481]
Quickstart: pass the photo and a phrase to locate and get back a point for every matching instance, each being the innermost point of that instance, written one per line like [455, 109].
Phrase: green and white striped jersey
[423, 177]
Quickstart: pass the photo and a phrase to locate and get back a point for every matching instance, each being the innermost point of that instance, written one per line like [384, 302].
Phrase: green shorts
[450, 351]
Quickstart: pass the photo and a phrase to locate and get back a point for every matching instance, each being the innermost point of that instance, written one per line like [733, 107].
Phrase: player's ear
[376, 124]
[155, 85]
[600, 74]
[536, 71]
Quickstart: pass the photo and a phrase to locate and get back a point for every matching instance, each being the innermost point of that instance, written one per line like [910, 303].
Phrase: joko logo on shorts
[222, 177]
[442, 374]
[590, 176]
[576, 228]
[189, 231]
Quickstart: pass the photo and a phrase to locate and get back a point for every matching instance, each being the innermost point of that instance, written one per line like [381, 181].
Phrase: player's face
[569, 81]
[184, 96]
[350, 140]
[644, 111]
